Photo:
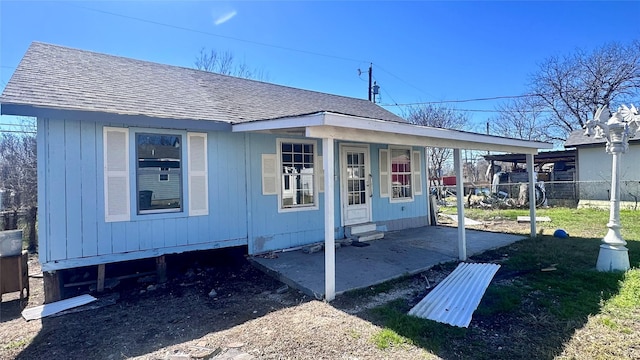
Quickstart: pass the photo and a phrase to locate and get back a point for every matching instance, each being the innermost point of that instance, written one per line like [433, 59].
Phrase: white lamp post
[617, 128]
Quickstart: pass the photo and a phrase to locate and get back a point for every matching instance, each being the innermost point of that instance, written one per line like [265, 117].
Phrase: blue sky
[421, 50]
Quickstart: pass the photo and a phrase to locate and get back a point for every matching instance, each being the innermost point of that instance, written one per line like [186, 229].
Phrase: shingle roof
[57, 77]
[577, 138]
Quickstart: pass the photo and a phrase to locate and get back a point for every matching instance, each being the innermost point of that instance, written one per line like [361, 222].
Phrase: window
[401, 174]
[164, 174]
[297, 173]
[159, 157]
[167, 175]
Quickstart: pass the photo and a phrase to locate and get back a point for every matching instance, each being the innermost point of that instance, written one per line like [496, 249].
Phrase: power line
[218, 35]
[464, 100]
[397, 77]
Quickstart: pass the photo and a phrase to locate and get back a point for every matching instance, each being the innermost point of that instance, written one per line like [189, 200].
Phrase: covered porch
[334, 128]
[400, 253]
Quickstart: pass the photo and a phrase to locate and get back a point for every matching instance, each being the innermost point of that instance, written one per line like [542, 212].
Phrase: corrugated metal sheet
[45, 310]
[455, 299]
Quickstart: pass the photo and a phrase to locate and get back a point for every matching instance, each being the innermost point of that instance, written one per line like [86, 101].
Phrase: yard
[570, 311]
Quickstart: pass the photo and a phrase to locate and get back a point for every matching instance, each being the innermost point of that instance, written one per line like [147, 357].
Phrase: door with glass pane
[355, 185]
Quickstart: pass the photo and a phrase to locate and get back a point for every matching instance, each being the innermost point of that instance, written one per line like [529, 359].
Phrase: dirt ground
[215, 305]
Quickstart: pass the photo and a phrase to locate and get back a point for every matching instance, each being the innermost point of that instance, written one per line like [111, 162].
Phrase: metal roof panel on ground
[455, 299]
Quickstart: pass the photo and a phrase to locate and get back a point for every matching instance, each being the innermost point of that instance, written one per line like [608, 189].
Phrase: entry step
[360, 229]
[367, 236]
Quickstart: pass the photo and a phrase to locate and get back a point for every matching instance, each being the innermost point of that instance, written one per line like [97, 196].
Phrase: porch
[400, 253]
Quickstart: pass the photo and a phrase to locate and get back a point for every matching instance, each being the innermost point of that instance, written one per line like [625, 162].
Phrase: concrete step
[368, 236]
[360, 229]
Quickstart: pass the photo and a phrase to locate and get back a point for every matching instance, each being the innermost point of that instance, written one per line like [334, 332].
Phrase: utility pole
[370, 78]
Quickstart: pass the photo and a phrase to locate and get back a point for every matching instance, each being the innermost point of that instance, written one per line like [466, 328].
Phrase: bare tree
[440, 117]
[224, 63]
[524, 118]
[18, 179]
[574, 86]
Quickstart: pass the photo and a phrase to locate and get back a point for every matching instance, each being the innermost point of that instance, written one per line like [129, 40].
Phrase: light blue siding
[89, 179]
[72, 229]
[270, 229]
[58, 196]
[382, 208]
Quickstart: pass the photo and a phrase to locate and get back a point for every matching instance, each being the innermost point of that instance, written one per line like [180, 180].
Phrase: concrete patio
[400, 253]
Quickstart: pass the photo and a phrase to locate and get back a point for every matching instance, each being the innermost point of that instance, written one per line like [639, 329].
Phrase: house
[593, 171]
[237, 162]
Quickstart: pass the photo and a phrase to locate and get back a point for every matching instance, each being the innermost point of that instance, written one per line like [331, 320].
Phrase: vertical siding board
[182, 235]
[144, 235]
[203, 230]
[42, 154]
[88, 189]
[103, 228]
[119, 237]
[217, 207]
[170, 233]
[57, 193]
[104, 238]
[157, 234]
[193, 230]
[73, 189]
[132, 243]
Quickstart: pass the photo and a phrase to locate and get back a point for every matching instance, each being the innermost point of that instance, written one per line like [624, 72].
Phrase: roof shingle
[51, 76]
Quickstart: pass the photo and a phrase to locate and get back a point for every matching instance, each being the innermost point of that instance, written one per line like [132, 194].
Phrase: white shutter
[320, 176]
[116, 174]
[416, 168]
[384, 173]
[269, 174]
[198, 174]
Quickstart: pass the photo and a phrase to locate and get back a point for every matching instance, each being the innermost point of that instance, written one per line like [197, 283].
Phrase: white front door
[355, 186]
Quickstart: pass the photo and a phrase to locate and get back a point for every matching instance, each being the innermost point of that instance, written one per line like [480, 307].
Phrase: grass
[573, 312]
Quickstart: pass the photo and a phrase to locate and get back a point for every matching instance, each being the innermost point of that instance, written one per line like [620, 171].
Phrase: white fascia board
[316, 119]
[352, 128]
[380, 137]
[339, 120]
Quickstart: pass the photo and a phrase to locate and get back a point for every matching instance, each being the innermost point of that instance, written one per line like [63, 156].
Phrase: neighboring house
[593, 166]
[138, 159]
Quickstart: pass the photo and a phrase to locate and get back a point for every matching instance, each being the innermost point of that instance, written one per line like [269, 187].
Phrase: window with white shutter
[198, 174]
[384, 173]
[269, 174]
[116, 174]
[416, 167]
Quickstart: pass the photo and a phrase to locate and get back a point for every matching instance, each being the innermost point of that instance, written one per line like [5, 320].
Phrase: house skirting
[401, 224]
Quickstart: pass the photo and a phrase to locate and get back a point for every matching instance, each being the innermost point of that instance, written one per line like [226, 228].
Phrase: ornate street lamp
[617, 128]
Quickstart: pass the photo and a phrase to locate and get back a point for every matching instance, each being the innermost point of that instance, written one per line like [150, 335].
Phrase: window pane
[297, 175]
[401, 173]
[159, 173]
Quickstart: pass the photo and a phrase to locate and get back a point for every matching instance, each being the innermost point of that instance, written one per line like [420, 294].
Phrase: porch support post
[329, 219]
[462, 236]
[428, 188]
[532, 194]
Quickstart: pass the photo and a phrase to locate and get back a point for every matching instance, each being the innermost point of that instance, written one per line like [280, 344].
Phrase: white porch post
[329, 216]
[532, 194]
[462, 236]
[428, 188]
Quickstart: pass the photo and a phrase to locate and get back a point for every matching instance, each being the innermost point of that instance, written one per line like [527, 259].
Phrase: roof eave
[353, 128]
